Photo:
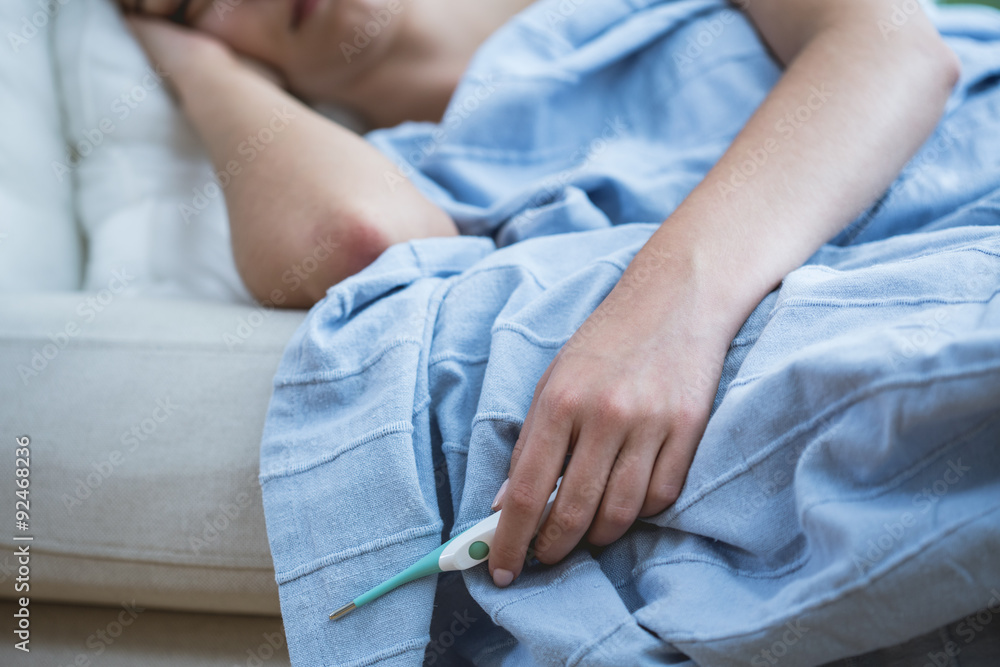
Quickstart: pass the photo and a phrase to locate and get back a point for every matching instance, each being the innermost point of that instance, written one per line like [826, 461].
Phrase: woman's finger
[529, 488]
[581, 490]
[526, 427]
[523, 435]
[627, 486]
[670, 470]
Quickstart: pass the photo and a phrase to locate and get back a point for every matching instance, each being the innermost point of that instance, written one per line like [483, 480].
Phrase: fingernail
[502, 578]
[499, 496]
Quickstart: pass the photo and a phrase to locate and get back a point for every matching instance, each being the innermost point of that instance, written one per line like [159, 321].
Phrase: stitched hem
[391, 652]
[320, 377]
[823, 417]
[846, 591]
[394, 428]
[510, 642]
[538, 591]
[587, 649]
[360, 550]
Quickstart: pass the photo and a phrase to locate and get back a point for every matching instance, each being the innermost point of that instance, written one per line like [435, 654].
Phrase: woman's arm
[631, 392]
[313, 187]
[871, 101]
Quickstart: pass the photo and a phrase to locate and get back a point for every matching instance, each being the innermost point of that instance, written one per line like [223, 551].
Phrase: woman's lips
[301, 11]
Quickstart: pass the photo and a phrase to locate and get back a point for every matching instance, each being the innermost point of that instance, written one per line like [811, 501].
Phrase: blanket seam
[391, 652]
[333, 375]
[408, 535]
[393, 428]
[849, 590]
[799, 302]
[913, 470]
[947, 446]
[803, 559]
[823, 417]
[585, 650]
[538, 591]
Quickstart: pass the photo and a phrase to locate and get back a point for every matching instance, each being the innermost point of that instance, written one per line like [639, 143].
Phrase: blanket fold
[846, 493]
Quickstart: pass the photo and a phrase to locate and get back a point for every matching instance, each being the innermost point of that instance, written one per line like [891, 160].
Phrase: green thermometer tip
[424, 567]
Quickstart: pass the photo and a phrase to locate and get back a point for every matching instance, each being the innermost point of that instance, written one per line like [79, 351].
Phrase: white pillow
[141, 174]
[40, 246]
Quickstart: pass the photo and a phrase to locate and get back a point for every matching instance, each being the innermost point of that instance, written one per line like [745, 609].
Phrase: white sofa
[149, 546]
[133, 359]
[144, 417]
[145, 431]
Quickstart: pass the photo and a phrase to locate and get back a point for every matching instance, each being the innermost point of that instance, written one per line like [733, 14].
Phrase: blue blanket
[846, 494]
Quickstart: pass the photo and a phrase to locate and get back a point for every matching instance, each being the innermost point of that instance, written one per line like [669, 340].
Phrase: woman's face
[316, 44]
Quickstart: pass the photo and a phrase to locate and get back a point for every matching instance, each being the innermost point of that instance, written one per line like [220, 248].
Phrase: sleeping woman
[620, 398]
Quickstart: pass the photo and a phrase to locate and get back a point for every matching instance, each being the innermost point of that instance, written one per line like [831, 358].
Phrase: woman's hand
[184, 51]
[630, 394]
[296, 182]
[628, 397]
[179, 52]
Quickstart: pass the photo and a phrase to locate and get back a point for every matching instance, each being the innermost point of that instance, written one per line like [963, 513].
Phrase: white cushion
[40, 247]
[145, 417]
[139, 164]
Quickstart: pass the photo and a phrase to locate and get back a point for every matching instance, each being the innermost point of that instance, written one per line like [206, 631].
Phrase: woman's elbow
[935, 63]
[297, 269]
[946, 68]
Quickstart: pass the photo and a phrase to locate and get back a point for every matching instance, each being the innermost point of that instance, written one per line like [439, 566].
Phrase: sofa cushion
[147, 197]
[40, 246]
[127, 635]
[145, 417]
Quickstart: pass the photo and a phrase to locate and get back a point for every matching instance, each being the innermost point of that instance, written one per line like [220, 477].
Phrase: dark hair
[180, 14]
